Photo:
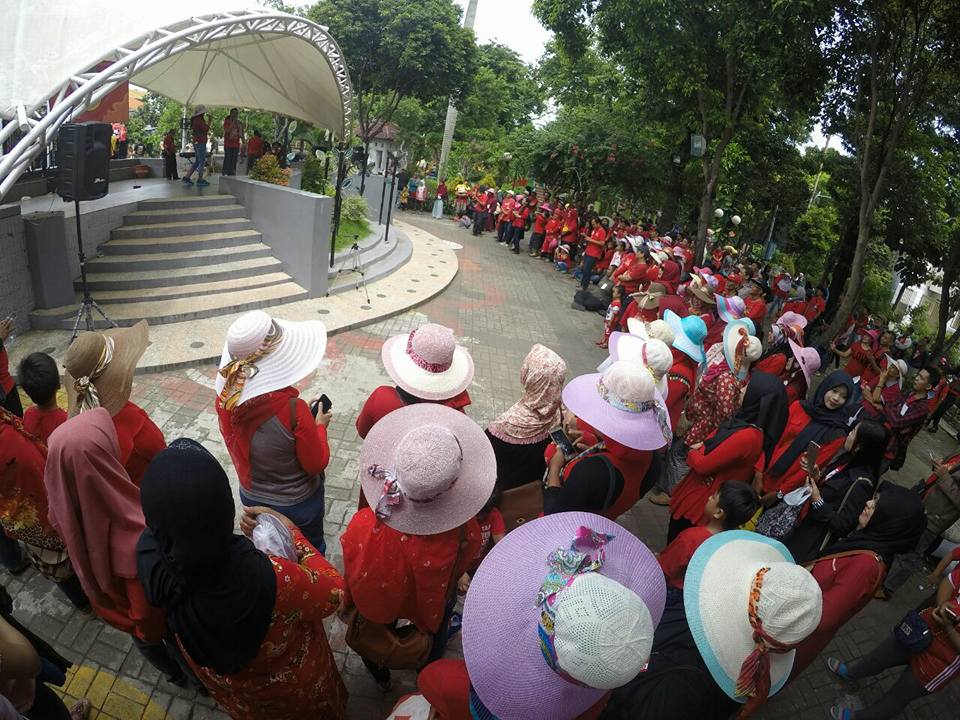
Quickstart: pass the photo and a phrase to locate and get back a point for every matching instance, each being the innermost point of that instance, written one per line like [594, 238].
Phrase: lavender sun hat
[544, 640]
[428, 363]
[731, 308]
[622, 404]
[426, 469]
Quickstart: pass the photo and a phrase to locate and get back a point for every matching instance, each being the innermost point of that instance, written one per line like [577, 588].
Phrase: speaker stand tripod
[356, 266]
[87, 303]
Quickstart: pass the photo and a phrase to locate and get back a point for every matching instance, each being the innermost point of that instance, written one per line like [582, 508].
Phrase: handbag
[913, 633]
[521, 504]
[780, 520]
[405, 648]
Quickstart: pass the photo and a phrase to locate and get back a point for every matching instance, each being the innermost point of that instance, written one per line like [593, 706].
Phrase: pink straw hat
[622, 404]
[428, 363]
[808, 359]
[426, 469]
[543, 642]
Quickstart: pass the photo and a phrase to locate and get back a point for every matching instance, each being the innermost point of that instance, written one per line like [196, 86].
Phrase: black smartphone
[315, 407]
[562, 441]
[322, 403]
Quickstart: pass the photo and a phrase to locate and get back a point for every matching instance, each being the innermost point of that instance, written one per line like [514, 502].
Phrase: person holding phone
[280, 450]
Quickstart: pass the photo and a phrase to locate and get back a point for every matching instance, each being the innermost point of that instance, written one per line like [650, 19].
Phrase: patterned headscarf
[87, 395]
[538, 410]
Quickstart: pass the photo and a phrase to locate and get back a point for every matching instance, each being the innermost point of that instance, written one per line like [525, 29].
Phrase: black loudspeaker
[83, 160]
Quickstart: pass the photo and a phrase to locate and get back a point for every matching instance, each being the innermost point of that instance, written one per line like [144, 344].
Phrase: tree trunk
[900, 292]
[703, 219]
[841, 262]
[949, 277]
[856, 277]
[363, 168]
[671, 206]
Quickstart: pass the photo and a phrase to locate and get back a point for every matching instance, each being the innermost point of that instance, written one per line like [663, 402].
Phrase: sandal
[80, 710]
[842, 712]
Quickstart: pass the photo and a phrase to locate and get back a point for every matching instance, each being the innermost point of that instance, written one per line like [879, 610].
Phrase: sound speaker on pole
[83, 160]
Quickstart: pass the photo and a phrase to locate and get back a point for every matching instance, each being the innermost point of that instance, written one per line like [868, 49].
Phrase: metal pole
[383, 191]
[450, 124]
[337, 202]
[386, 230]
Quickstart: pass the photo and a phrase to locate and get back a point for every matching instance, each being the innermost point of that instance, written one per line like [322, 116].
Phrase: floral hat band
[87, 395]
[635, 407]
[239, 370]
[585, 554]
[393, 494]
[422, 362]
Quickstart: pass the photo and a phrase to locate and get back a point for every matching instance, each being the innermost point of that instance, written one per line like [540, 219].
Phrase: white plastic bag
[272, 537]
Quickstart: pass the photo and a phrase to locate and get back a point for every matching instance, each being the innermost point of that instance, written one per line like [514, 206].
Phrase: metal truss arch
[83, 89]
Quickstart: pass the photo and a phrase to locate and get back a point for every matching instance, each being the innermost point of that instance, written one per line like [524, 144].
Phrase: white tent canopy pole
[250, 58]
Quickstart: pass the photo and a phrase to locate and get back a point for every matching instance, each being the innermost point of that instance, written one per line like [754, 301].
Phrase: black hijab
[897, 523]
[764, 406]
[217, 588]
[825, 425]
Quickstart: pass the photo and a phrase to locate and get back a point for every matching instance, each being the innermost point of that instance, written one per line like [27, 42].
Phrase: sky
[511, 23]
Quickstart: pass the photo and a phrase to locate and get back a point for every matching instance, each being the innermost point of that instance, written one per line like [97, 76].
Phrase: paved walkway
[498, 304]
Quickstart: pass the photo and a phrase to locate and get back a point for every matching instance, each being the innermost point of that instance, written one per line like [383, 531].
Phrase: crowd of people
[783, 523]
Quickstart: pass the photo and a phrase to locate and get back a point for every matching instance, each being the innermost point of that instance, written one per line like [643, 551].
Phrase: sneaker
[839, 668]
[202, 183]
[842, 712]
[188, 182]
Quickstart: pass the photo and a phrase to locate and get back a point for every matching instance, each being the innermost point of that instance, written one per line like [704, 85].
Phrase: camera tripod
[356, 266]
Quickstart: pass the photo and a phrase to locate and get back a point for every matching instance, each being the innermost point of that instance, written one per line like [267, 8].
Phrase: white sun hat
[428, 363]
[659, 330]
[652, 354]
[729, 575]
[262, 354]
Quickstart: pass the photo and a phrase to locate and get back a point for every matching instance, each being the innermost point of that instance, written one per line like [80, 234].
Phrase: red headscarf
[94, 506]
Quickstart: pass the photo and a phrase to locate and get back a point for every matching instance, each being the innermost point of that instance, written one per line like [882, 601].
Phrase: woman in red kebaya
[426, 471]
[860, 357]
[552, 229]
[740, 447]
[852, 569]
[99, 373]
[596, 242]
[823, 420]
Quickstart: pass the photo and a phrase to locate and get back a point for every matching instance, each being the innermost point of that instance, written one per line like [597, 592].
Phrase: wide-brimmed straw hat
[552, 660]
[732, 571]
[622, 404]
[700, 289]
[807, 357]
[427, 468]
[199, 110]
[262, 354]
[428, 363]
[649, 299]
[901, 366]
[99, 367]
[652, 354]
[792, 319]
[730, 308]
[689, 333]
[740, 348]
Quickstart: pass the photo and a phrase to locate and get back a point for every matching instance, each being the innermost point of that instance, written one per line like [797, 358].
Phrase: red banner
[114, 107]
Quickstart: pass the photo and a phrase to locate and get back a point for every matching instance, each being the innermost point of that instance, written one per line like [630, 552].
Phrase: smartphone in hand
[563, 442]
[813, 452]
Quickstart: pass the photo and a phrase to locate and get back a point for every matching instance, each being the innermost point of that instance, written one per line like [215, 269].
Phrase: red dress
[139, 438]
[794, 477]
[391, 575]
[295, 674]
[734, 459]
[676, 556]
[848, 584]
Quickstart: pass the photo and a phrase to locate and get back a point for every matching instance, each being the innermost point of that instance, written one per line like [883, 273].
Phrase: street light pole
[450, 123]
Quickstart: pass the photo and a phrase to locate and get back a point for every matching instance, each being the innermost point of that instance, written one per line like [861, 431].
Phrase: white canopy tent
[254, 58]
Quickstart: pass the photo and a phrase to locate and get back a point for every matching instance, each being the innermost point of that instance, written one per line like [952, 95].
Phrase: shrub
[354, 209]
[313, 179]
[488, 180]
[268, 170]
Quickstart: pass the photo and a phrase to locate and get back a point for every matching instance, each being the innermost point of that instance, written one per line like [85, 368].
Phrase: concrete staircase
[177, 259]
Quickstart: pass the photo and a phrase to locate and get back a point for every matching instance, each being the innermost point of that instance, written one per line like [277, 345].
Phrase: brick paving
[499, 305]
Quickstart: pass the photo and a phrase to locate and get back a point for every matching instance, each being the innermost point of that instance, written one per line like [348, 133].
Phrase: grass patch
[349, 228]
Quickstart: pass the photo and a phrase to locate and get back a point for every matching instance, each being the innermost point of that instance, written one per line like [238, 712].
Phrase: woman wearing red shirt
[860, 357]
[595, 244]
[426, 471]
[852, 569]
[8, 386]
[519, 222]
[738, 448]
[99, 373]
[552, 230]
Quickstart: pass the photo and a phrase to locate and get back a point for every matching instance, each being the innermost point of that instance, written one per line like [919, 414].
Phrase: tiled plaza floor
[499, 305]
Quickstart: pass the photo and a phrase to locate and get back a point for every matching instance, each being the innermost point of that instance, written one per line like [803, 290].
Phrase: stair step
[187, 201]
[182, 214]
[139, 246]
[124, 280]
[184, 259]
[180, 228]
[184, 309]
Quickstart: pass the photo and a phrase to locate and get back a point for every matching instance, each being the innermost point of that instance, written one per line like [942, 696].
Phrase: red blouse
[43, 422]
[391, 575]
[676, 556]
[681, 381]
[385, 399]
[848, 584]
[136, 616]
[734, 459]
[794, 477]
[295, 674]
[140, 440]
[756, 311]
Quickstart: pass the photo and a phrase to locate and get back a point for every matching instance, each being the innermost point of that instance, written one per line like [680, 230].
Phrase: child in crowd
[492, 531]
[613, 313]
[727, 509]
[404, 198]
[40, 379]
[561, 258]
